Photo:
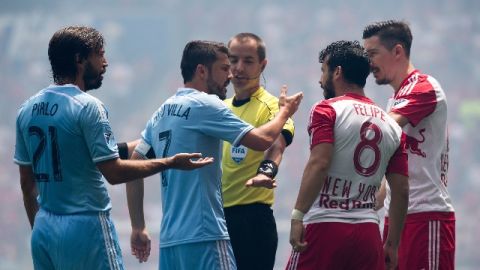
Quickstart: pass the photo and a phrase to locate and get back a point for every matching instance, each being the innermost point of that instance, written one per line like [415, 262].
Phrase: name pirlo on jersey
[44, 108]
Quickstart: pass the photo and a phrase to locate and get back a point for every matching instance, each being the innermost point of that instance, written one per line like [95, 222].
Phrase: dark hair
[390, 34]
[66, 43]
[261, 48]
[349, 55]
[199, 52]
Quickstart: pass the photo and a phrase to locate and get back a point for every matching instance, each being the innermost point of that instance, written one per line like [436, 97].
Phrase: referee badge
[238, 153]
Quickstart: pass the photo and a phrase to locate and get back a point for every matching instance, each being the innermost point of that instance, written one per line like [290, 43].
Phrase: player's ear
[399, 50]
[78, 59]
[264, 64]
[201, 71]
[338, 71]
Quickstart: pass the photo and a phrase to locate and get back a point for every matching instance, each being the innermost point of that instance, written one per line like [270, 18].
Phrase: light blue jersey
[62, 132]
[192, 121]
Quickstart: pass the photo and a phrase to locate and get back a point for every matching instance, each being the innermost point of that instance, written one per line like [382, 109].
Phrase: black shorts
[253, 234]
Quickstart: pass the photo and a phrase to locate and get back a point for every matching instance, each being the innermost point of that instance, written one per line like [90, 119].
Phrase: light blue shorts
[210, 255]
[80, 241]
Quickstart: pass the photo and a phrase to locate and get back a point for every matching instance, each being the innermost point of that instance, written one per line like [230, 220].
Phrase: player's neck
[77, 81]
[354, 89]
[402, 75]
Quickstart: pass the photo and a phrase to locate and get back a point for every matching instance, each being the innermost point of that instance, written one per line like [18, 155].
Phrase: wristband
[122, 150]
[268, 168]
[297, 214]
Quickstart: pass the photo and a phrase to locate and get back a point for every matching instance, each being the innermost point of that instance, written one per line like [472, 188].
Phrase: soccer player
[248, 210]
[193, 233]
[353, 144]
[64, 144]
[419, 105]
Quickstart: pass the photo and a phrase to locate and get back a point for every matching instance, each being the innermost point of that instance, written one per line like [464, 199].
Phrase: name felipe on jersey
[44, 108]
[369, 110]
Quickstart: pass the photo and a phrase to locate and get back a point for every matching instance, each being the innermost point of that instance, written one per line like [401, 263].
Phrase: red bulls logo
[413, 144]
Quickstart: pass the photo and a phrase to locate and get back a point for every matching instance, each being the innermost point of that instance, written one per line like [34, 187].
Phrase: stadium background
[144, 41]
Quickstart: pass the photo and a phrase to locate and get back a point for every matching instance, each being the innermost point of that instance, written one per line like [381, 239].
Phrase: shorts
[253, 234]
[340, 246]
[79, 241]
[208, 255]
[427, 242]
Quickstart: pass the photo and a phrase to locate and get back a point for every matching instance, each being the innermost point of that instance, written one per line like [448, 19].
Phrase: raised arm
[261, 138]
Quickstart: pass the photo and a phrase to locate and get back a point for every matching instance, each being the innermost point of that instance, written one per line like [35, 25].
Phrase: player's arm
[125, 149]
[261, 138]
[400, 119]
[140, 242]
[268, 168]
[312, 182]
[380, 196]
[398, 209]
[118, 171]
[30, 193]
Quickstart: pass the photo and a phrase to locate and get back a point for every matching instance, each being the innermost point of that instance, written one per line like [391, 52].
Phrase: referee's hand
[261, 180]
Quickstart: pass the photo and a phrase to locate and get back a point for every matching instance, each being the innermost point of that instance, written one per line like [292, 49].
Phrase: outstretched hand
[183, 161]
[290, 103]
[140, 244]
[261, 180]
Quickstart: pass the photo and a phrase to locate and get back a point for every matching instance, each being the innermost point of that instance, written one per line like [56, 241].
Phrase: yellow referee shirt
[240, 163]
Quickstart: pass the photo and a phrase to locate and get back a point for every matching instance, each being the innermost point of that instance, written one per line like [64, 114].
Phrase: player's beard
[91, 77]
[328, 88]
[217, 89]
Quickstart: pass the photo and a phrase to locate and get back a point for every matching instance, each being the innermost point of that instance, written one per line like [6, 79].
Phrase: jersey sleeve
[21, 156]
[97, 132]
[144, 148]
[416, 105]
[220, 122]
[399, 161]
[322, 124]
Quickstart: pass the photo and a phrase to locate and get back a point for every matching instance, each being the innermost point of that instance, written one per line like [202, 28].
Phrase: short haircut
[68, 42]
[391, 33]
[261, 48]
[199, 52]
[349, 55]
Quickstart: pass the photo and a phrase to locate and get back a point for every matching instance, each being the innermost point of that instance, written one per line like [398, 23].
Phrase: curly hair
[391, 33]
[69, 42]
[349, 55]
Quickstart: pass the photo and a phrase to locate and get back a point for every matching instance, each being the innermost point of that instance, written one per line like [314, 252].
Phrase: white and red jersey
[367, 144]
[422, 101]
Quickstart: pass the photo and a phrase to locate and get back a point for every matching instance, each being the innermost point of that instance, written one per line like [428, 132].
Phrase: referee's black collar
[238, 103]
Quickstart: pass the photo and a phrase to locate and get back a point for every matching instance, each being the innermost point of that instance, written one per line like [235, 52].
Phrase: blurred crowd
[144, 41]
